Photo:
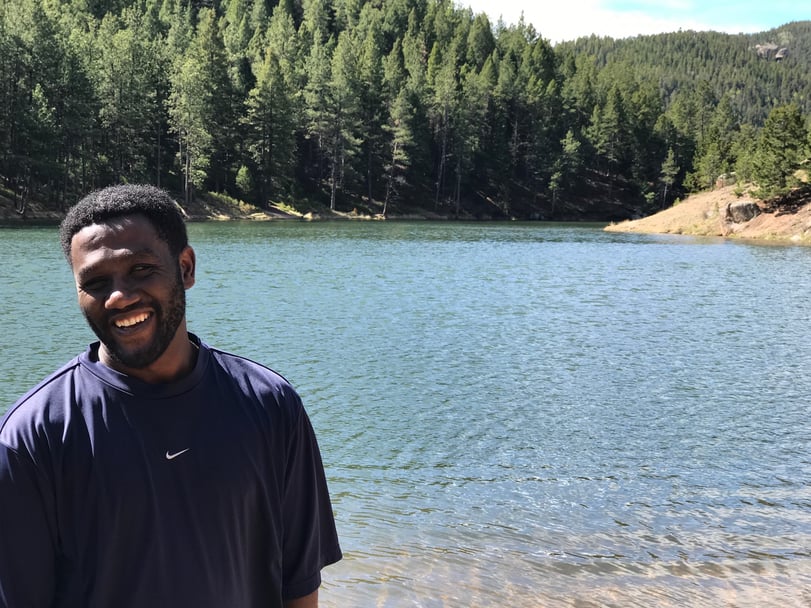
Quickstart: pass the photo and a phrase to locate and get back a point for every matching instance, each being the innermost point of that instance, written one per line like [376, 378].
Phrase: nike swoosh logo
[176, 454]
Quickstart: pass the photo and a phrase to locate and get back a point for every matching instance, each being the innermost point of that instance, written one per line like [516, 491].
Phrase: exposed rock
[766, 50]
[771, 51]
[726, 179]
[739, 212]
[705, 214]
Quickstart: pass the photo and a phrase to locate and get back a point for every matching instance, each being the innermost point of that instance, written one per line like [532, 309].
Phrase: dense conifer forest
[389, 107]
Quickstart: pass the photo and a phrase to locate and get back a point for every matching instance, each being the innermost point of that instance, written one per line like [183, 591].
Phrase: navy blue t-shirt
[205, 493]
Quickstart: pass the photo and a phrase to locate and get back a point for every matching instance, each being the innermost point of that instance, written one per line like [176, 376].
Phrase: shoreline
[214, 208]
[722, 213]
[716, 213]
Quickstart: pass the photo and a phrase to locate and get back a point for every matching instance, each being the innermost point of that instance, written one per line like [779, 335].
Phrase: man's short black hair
[155, 204]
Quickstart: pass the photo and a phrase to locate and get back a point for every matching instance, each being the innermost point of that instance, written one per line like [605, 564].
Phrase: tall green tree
[714, 154]
[542, 107]
[317, 22]
[271, 118]
[128, 74]
[744, 149]
[201, 107]
[17, 82]
[443, 107]
[480, 42]
[668, 174]
[609, 133]
[400, 141]
[331, 109]
[344, 134]
[568, 166]
[398, 128]
[47, 125]
[368, 38]
[474, 98]
[237, 33]
[415, 63]
[780, 147]
[272, 110]
[316, 109]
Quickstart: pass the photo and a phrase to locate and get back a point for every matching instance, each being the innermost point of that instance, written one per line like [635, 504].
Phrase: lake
[510, 414]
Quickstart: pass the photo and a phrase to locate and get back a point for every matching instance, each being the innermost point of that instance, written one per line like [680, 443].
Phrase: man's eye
[93, 285]
[142, 268]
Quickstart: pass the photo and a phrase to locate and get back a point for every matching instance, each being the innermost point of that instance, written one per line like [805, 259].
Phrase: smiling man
[153, 469]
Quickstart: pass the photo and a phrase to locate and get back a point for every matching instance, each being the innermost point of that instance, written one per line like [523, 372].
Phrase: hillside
[384, 108]
[756, 71]
[711, 214]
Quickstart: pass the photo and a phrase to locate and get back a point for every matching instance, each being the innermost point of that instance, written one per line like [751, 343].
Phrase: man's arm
[308, 601]
[26, 546]
[310, 540]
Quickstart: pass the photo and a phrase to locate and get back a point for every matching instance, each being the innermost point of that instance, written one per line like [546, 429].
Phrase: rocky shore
[722, 212]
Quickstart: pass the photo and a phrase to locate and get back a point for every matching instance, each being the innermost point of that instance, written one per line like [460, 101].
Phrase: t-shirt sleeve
[310, 537]
[26, 546]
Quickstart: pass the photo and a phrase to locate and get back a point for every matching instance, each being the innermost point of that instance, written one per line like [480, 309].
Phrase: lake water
[511, 414]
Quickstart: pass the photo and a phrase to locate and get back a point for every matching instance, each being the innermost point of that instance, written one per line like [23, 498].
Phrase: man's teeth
[132, 320]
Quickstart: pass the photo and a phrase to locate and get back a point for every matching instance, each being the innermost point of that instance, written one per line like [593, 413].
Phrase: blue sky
[559, 20]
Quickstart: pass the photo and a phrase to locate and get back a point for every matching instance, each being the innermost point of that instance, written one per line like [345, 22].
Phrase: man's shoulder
[239, 364]
[254, 377]
[37, 405]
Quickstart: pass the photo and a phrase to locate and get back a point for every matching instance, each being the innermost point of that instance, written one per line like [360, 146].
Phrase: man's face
[132, 292]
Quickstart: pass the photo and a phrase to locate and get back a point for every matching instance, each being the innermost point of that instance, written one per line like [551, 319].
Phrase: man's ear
[187, 262]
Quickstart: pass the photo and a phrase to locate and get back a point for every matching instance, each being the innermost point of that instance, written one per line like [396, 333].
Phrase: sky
[558, 20]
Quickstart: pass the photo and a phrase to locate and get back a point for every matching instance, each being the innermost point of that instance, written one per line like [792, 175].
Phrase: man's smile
[132, 320]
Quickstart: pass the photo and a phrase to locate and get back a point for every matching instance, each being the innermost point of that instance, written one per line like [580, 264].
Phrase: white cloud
[571, 19]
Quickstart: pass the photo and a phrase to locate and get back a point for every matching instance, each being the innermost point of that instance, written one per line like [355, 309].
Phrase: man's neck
[177, 361]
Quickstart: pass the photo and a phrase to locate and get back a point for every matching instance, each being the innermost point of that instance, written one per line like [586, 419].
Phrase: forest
[389, 108]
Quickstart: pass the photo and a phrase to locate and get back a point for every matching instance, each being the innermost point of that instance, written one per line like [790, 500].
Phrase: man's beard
[167, 322]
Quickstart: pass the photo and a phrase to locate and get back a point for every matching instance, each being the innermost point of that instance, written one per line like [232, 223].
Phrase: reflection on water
[510, 414]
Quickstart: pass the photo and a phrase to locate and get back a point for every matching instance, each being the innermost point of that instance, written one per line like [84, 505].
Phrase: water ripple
[514, 415]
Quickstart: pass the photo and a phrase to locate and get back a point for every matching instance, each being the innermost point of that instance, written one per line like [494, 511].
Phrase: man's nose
[123, 294]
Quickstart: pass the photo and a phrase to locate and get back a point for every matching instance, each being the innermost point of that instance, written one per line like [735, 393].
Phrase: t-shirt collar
[89, 360]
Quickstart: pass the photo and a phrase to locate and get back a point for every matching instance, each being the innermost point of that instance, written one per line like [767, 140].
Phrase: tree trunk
[369, 174]
[21, 198]
[333, 177]
[158, 156]
[440, 177]
[390, 178]
[458, 193]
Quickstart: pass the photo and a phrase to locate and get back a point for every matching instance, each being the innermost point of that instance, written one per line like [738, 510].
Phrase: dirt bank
[206, 207]
[707, 214]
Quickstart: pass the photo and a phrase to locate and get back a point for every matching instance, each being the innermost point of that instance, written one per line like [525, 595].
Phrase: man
[153, 470]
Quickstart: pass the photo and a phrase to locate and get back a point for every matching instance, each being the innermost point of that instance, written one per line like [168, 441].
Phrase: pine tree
[368, 38]
[744, 149]
[714, 156]
[480, 42]
[344, 135]
[273, 109]
[542, 106]
[271, 121]
[331, 97]
[780, 145]
[667, 175]
[400, 141]
[443, 106]
[397, 129]
[127, 72]
[317, 116]
[202, 110]
[568, 166]
[608, 133]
